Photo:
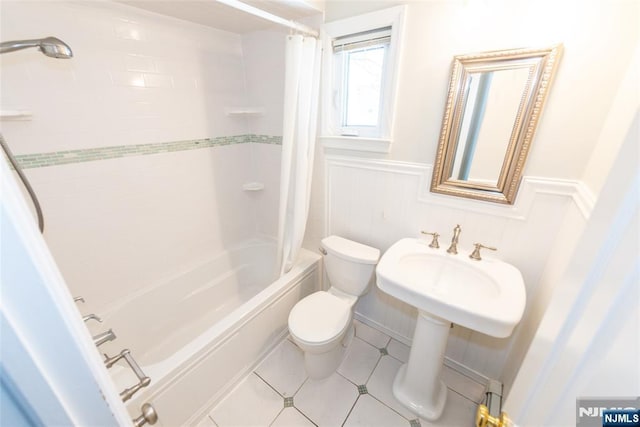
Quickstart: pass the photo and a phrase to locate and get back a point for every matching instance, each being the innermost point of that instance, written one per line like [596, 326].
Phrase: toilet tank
[349, 264]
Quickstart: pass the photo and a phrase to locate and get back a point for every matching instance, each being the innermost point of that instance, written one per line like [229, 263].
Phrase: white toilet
[320, 324]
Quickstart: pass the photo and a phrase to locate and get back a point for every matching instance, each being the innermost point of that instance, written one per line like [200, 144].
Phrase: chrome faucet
[453, 249]
[104, 337]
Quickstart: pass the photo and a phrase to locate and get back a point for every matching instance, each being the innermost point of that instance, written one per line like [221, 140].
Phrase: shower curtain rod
[270, 17]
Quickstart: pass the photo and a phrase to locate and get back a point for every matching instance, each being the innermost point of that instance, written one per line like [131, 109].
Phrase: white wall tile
[123, 50]
[116, 226]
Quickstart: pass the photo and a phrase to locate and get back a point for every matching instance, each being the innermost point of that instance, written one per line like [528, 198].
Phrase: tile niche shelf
[244, 111]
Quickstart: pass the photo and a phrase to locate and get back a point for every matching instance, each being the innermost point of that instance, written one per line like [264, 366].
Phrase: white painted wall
[115, 226]
[437, 30]
[378, 201]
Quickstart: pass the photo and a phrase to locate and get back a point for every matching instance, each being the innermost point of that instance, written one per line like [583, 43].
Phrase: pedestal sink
[487, 296]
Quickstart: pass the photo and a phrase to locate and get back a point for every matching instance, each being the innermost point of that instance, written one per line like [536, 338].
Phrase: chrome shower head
[50, 46]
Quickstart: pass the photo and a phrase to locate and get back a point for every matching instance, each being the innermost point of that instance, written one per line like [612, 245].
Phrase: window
[361, 55]
[360, 62]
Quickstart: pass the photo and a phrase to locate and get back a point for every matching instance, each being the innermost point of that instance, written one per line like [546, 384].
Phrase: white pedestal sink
[487, 296]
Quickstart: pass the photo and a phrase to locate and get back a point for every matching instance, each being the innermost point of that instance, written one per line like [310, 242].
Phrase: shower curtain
[302, 85]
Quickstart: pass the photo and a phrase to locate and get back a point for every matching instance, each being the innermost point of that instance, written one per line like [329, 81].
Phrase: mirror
[493, 106]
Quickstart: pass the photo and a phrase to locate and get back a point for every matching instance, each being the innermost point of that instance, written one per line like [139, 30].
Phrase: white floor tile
[291, 417]
[326, 402]
[381, 382]
[252, 403]
[398, 350]
[458, 412]
[368, 412]
[359, 361]
[462, 384]
[370, 335]
[284, 369]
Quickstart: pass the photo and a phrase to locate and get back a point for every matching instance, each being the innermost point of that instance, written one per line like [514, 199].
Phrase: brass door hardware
[484, 419]
[476, 252]
[434, 242]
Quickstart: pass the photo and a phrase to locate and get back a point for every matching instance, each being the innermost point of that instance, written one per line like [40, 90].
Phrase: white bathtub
[198, 333]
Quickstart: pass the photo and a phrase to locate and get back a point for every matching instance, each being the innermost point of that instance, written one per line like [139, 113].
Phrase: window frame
[332, 131]
[342, 69]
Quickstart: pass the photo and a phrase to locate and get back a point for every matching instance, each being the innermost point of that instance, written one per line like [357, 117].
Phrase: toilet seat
[319, 318]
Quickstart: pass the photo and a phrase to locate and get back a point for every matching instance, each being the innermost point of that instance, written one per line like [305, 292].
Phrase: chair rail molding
[576, 191]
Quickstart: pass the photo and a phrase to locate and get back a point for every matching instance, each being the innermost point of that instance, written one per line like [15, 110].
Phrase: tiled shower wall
[135, 78]
[138, 166]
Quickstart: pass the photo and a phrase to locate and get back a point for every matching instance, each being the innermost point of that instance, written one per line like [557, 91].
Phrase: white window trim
[330, 131]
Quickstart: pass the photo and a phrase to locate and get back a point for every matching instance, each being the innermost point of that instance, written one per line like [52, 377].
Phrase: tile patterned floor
[279, 394]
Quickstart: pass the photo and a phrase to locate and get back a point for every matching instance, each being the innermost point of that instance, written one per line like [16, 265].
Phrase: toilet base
[320, 366]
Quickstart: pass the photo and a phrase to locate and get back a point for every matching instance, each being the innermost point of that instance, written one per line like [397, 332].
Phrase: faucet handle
[92, 317]
[434, 242]
[476, 252]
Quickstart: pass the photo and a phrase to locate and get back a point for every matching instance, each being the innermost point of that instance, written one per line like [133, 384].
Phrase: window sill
[356, 143]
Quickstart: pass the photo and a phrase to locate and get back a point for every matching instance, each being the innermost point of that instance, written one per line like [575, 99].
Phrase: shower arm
[25, 181]
[12, 46]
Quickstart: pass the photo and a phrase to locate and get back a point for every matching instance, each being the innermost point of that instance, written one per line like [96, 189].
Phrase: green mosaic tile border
[39, 160]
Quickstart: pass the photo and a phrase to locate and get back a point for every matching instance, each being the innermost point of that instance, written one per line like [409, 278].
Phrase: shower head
[50, 46]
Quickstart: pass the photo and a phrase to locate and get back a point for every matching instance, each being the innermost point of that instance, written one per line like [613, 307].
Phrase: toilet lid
[319, 317]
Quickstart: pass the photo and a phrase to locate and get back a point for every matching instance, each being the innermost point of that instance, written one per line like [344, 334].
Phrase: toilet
[321, 323]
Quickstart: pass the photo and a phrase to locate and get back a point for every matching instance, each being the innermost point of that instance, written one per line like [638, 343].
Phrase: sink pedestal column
[418, 385]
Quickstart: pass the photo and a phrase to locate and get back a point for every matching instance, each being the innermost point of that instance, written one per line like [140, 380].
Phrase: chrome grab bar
[144, 380]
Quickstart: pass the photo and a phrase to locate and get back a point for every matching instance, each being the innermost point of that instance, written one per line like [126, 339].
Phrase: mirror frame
[523, 130]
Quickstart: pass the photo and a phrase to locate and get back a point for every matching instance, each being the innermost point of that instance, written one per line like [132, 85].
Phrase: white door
[50, 371]
[588, 343]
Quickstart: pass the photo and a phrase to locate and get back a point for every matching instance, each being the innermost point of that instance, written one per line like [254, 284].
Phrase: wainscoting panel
[378, 202]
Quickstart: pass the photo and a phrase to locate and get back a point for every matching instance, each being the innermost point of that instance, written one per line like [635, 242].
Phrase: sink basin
[487, 296]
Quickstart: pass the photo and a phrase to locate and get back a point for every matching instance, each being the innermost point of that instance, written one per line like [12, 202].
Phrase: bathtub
[198, 333]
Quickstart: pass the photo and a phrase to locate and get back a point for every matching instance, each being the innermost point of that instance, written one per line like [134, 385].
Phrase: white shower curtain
[302, 85]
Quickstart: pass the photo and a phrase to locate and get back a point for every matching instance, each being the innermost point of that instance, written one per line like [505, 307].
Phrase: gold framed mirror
[493, 106]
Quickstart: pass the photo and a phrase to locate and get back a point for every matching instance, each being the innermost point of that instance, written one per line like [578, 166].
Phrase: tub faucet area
[453, 249]
[104, 337]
